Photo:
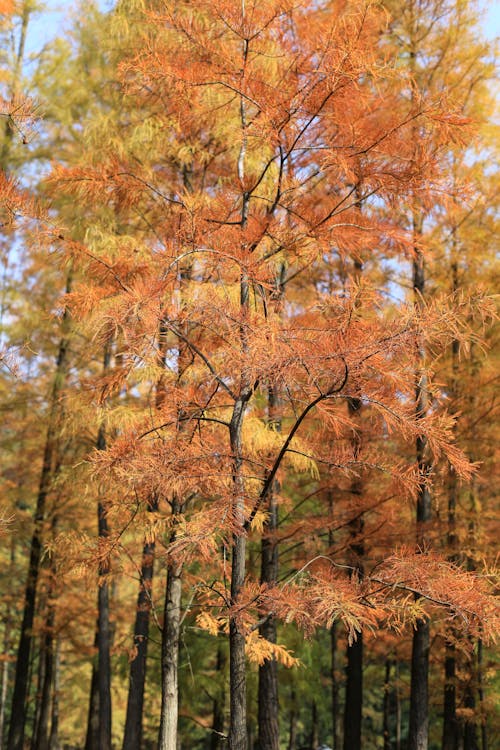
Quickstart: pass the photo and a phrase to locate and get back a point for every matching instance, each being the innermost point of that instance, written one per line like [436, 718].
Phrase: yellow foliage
[259, 650]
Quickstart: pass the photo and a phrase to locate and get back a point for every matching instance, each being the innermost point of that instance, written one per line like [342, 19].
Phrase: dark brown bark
[170, 651]
[54, 727]
[418, 733]
[450, 724]
[19, 707]
[268, 706]
[353, 708]
[314, 734]
[386, 724]
[41, 733]
[292, 732]
[103, 625]
[137, 676]
[219, 704]
[237, 664]
[335, 687]
[480, 691]
[353, 695]
[398, 708]
[470, 728]
[92, 735]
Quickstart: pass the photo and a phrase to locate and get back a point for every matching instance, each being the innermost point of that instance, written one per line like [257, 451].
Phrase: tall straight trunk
[40, 679]
[269, 733]
[54, 725]
[353, 708]
[353, 695]
[19, 707]
[314, 734]
[335, 687]
[386, 724]
[480, 690]
[41, 732]
[398, 708]
[137, 676]
[450, 723]
[103, 627]
[237, 664]
[470, 728]
[418, 733]
[292, 731]
[219, 703]
[41, 729]
[170, 650]
[92, 735]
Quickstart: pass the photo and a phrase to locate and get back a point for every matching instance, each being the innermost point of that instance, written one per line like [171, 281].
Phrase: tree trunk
[268, 706]
[92, 736]
[19, 707]
[219, 702]
[54, 726]
[292, 732]
[480, 690]
[39, 688]
[386, 725]
[314, 735]
[398, 709]
[353, 709]
[41, 732]
[353, 695]
[170, 651]
[418, 733]
[450, 725]
[237, 663]
[335, 687]
[470, 728]
[103, 627]
[137, 677]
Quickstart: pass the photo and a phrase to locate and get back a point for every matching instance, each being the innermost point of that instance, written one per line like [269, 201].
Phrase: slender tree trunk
[103, 626]
[353, 709]
[41, 732]
[398, 709]
[170, 650]
[268, 706]
[470, 728]
[92, 736]
[386, 726]
[237, 664]
[41, 729]
[480, 690]
[314, 735]
[54, 726]
[137, 678]
[450, 725]
[19, 707]
[40, 679]
[353, 695]
[3, 689]
[418, 734]
[292, 732]
[219, 702]
[335, 687]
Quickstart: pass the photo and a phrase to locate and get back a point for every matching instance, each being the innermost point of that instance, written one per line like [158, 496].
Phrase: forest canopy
[248, 368]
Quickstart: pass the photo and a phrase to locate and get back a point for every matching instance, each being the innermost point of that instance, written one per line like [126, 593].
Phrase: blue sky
[52, 21]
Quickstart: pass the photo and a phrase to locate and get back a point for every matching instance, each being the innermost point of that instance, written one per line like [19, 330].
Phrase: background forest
[248, 487]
